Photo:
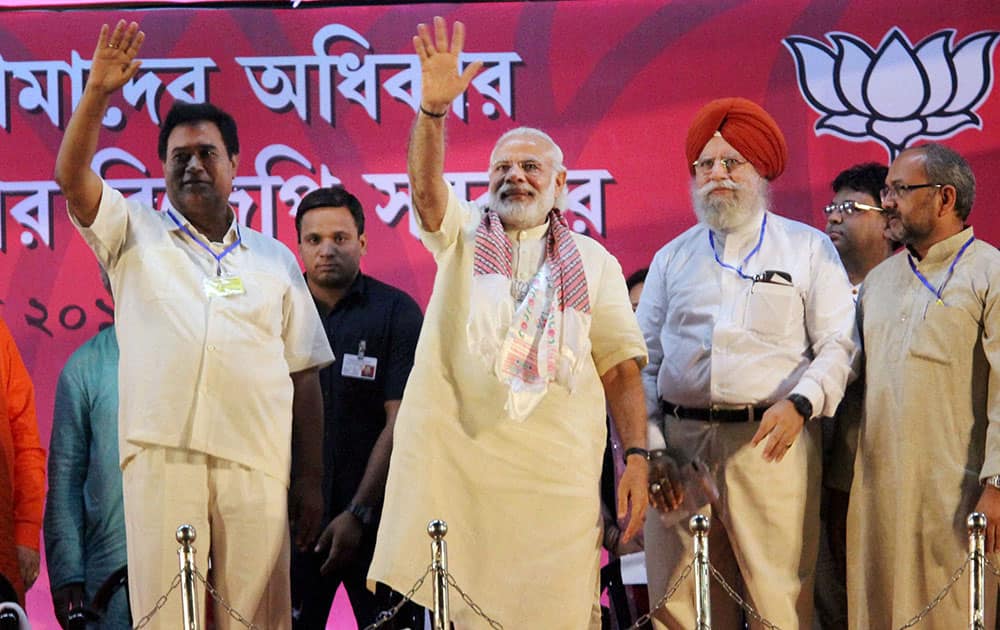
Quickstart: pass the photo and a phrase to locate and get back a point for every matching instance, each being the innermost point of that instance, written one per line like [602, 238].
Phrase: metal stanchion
[699, 526]
[977, 588]
[186, 536]
[441, 618]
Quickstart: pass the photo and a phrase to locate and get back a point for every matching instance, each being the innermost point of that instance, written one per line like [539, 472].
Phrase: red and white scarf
[545, 337]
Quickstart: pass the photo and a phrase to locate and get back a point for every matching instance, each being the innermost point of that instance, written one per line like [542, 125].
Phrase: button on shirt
[717, 338]
[208, 374]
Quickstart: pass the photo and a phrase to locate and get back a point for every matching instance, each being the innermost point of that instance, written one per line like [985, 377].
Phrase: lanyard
[218, 257]
[938, 291]
[739, 270]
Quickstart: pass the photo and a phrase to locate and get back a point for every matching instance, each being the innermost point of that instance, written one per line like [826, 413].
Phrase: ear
[560, 181]
[363, 240]
[948, 196]
[234, 161]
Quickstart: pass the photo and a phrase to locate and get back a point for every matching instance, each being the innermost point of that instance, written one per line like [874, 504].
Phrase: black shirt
[388, 322]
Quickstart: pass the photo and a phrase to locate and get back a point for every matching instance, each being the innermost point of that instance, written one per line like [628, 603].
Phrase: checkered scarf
[546, 336]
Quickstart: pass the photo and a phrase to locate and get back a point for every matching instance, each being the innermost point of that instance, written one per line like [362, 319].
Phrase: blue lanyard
[938, 291]
[218, 257]
[739, 270]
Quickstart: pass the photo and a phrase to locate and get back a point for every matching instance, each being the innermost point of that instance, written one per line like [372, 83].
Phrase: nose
[835, 217]
[719, 170]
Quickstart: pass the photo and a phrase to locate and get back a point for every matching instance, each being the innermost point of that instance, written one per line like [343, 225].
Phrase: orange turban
[745, 125]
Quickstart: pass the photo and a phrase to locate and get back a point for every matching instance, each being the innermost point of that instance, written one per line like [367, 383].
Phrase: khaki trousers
[241, 519]
[764, 529]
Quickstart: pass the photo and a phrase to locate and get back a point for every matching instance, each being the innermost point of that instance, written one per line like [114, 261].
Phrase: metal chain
[993, 568]
[471, 604]
[739, 600]
[387, 615]
[160, 603]
[214, 594]
[940, 596]
[648, 617]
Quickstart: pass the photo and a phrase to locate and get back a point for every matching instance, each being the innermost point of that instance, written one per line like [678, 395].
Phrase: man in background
[84, 516]
[856, 224]
[373, 329]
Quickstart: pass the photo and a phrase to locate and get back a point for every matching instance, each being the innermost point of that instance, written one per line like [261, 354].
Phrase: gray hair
[557, 154]
[944, 166]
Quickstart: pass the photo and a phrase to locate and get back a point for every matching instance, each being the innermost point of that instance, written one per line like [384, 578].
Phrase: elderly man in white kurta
[929, 451]
[501, 429]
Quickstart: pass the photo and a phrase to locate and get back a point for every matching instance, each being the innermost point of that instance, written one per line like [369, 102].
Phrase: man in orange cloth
[22, 474]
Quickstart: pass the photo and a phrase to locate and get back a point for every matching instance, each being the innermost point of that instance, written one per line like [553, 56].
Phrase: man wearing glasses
[749, 323]
[929, 450]
[856, 224]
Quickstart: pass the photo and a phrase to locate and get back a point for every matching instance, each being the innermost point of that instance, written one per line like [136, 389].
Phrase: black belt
[729, 413]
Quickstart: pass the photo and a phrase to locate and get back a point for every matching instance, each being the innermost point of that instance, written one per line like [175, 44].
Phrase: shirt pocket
[772, 309]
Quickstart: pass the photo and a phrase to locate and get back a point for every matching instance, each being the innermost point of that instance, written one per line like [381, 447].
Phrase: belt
[716, 413]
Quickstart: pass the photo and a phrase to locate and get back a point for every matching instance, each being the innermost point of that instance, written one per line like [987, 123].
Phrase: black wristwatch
[802, 405]
[635, 450]
[364, 513]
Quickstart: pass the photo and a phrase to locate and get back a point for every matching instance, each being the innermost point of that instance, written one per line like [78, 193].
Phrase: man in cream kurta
[929, 445]
[519, 491]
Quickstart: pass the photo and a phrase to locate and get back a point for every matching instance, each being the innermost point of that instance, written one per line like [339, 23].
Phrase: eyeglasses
[850, 207]
[899, 190]
[705, 166]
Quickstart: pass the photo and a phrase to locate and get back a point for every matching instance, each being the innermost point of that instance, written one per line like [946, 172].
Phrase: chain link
[471, 604]
[214, 594]
[160, 603]
[739, 600]
[387, 615]
[940, 596]
[648, 617]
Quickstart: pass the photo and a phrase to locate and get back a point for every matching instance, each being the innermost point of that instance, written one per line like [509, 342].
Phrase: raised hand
[114, 61]
[442, 82]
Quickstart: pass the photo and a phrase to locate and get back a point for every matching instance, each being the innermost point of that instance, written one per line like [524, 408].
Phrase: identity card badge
[223, 286]
[358, 365]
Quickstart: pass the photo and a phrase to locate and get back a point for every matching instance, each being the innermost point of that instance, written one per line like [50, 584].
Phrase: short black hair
[868, 178]
[182, 113]
[332, 197]
[636, 277]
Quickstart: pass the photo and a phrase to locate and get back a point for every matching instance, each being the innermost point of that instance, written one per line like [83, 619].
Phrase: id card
[353, 366]
[223, 286]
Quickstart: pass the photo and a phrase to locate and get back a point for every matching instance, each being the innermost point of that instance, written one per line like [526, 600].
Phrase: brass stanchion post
[441, 618]
[977, 588]
[186, 536]
[699, 526]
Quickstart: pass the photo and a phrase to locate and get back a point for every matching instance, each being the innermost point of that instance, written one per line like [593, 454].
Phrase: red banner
[327, 95]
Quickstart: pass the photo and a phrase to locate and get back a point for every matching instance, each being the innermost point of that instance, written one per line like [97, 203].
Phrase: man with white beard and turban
[749, 322]
[528, 334]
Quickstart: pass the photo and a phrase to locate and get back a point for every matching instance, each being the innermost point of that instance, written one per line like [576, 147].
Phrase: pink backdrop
[328, 94]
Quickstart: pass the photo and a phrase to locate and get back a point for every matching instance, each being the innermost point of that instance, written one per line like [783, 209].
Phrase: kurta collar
[227, 239]
[530, 234]
[944, 251]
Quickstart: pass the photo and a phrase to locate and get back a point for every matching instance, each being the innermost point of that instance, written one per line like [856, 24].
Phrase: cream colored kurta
[520, 498]
[931, 432]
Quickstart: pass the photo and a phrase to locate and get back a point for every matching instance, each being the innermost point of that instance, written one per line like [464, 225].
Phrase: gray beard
[726, 214]
[520, 215]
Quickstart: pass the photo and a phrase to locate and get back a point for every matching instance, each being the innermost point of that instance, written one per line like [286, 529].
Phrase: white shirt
[208, 374]
[715, 338]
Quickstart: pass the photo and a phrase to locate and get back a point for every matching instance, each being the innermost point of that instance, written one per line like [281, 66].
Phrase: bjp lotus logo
[898, 93]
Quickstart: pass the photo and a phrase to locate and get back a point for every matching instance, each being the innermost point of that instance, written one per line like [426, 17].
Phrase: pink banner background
[615, 83]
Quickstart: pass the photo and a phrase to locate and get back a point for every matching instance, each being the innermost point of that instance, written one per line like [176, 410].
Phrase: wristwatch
[992, 481]
[364, 513]
[635, 450]
[802, 405]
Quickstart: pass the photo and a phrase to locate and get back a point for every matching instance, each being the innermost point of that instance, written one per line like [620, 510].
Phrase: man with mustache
[929, 449]
[373, 328]
[749, 322]
[857, 226]
[220, 348]
[528, 333]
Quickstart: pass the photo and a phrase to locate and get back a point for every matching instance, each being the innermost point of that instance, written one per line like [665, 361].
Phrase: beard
[727, 213]
[523, 214]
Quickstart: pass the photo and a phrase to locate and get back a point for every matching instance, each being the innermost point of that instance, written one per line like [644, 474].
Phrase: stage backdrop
[327, 95]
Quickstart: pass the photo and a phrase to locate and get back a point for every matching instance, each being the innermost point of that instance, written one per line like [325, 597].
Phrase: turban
[745, 125]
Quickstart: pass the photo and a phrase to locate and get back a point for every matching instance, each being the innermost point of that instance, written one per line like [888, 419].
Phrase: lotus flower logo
[898, 93]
